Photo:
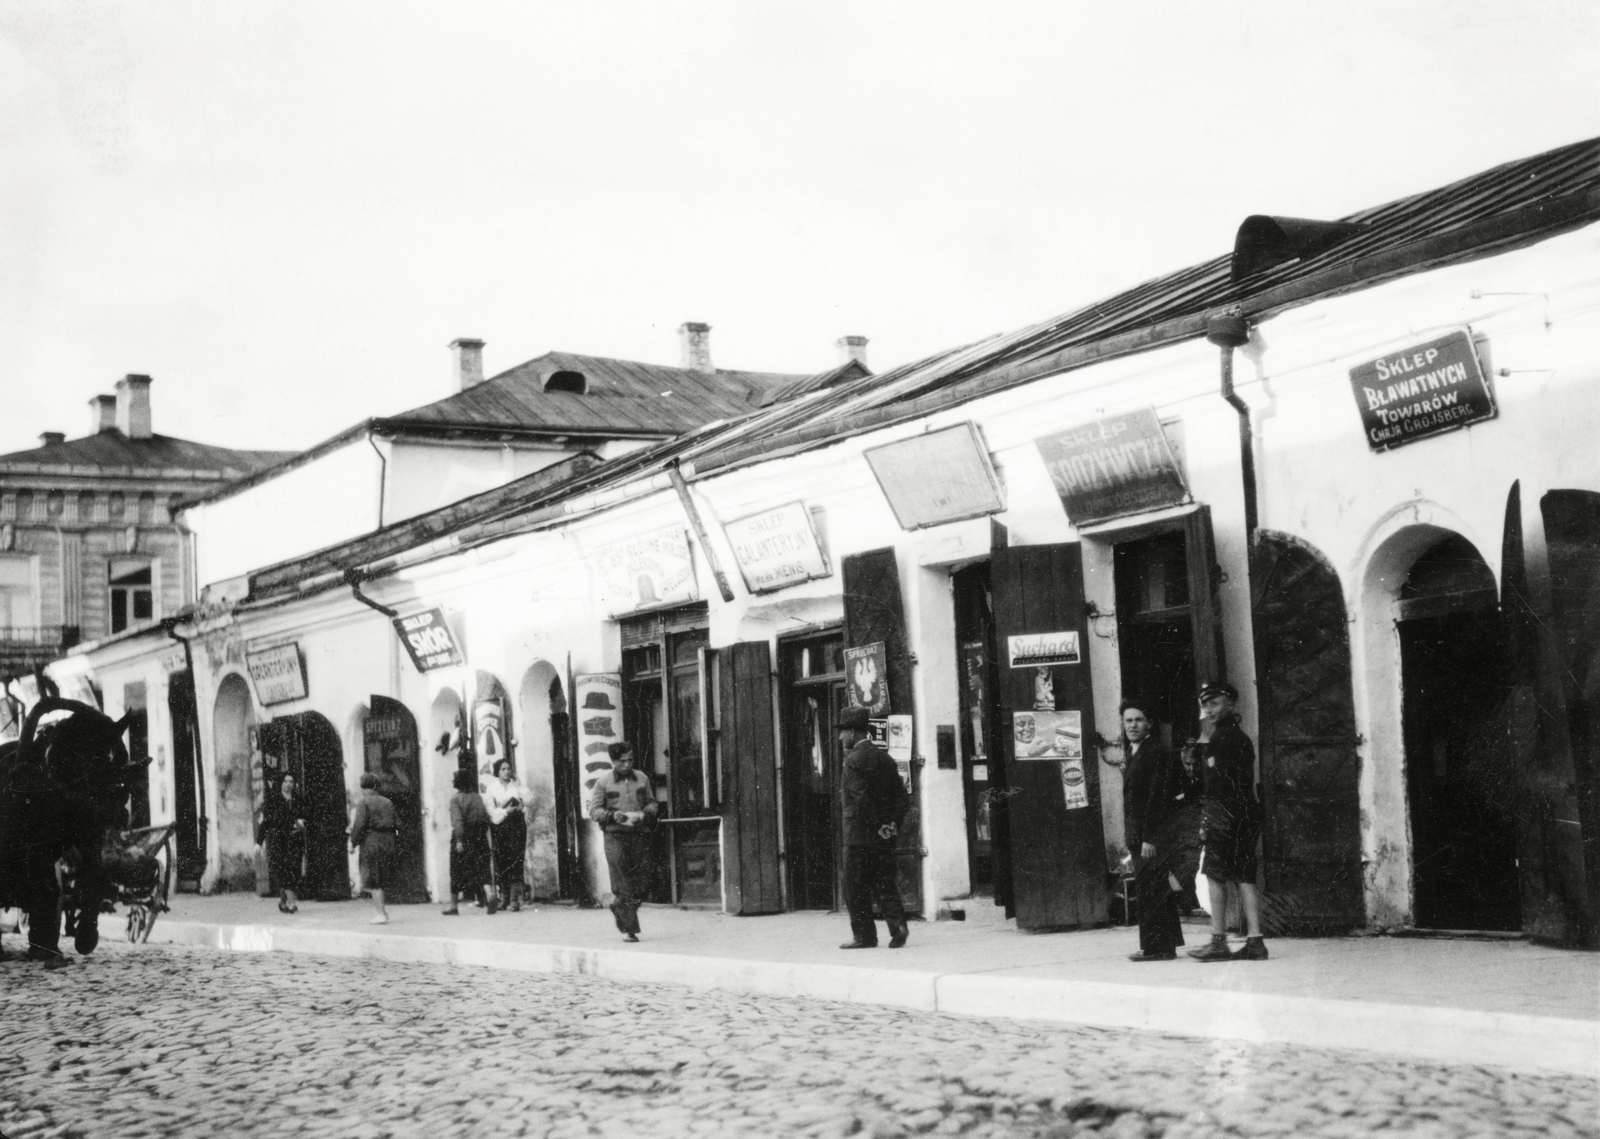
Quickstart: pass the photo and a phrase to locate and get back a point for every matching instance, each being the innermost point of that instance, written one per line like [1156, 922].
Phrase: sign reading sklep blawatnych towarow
[1429, 388]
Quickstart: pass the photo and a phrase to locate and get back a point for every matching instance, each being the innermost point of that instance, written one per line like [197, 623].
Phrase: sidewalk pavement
[1508, 1003]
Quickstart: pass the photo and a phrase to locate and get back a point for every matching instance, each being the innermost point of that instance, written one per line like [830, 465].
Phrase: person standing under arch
[470, 873]
[372, 832]
[508, 832]
[1232, 822]
[1160, 806]
[284, 827]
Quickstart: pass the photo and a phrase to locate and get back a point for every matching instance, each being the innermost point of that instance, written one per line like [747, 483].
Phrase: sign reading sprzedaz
[429, 640]
[1429, 388]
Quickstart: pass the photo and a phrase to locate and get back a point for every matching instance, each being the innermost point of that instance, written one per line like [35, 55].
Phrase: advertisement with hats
[599, 699]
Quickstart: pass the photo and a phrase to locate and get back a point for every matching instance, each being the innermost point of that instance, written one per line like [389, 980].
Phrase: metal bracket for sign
[689, 508]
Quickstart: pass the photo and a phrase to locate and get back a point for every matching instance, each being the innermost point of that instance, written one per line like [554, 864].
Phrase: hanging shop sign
[428, 640]
[278, 673]
[650, 569]
[1114, 467]
[939, 476]
[1032, 650]
[1047, 735]
[866, 673]
[599, 702]
[776, 548]
[1426, 390]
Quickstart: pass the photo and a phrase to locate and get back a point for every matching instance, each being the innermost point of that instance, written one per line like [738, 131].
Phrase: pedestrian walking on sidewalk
[875, 805]
[624, 806]
[506, 801]
[469, 844]
[283, 827]
[1161, 829]
[1231, 823]
[373, 828]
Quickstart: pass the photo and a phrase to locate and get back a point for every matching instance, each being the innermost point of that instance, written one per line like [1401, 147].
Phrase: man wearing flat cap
[1231, 822]
[875, 804]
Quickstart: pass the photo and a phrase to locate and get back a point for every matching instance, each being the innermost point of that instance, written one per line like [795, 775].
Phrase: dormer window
[567, 381]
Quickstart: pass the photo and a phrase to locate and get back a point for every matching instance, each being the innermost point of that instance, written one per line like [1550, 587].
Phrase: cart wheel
[138, 923]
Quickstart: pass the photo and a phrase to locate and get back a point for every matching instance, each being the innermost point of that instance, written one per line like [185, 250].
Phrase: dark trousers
[1159, 928]
[869, 874]
[628, 858]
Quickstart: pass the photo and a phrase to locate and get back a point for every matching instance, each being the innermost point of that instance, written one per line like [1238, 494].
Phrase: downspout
[355, 579]
[170, 624]
[383, 476]
[1228, 333]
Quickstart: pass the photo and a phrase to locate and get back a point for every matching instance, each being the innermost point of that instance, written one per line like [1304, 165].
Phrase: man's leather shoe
[1169, 955]
[859, 945]
[897, 937]
[1255, 949]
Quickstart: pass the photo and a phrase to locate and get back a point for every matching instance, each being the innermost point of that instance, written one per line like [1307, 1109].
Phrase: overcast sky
[284, 212]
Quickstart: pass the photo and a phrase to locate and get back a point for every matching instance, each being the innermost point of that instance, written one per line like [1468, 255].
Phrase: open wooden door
[873, 613]
[1058, 859]
[747, 752]
[1310, 769]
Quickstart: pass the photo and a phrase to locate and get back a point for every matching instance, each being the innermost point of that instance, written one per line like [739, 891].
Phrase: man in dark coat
[1232, 822]
[875, 804]
[1157, 799]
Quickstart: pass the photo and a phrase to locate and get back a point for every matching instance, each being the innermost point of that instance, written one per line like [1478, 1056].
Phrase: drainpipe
[170, 625]
[1228, 333]
[383, 476]
[354, 578]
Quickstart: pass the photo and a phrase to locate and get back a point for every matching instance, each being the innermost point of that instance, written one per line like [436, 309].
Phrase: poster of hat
[599, 697]
[866, 674]
[649, 569]
[1047, 735]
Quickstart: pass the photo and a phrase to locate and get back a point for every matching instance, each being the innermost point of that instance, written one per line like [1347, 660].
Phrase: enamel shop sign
[278, 674]
[428, 639]
[776, 548]
[1030, 650]
[1428, 389]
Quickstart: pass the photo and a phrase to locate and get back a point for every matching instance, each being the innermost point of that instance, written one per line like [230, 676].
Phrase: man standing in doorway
[875, 804]
[1232, 822]
[623, 804]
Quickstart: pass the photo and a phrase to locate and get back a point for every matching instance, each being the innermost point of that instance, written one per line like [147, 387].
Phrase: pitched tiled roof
[1509, 206]
[621, 396]
[113, 454]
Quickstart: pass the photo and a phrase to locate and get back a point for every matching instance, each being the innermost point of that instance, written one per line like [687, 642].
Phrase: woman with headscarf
[508, 832]
[373, 828]
[283, 827]
[469, 843]
[1160, 804]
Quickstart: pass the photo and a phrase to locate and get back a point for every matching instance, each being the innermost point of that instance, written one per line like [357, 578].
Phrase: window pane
[143, 604]
[119, 610]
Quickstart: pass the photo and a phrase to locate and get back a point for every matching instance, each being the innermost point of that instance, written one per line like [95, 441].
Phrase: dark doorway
[568, 805]
[307, 747]
[133, 703]
[188, 783]
[1155, 631]
[982, 769]
[389, 738]
[1459, 779]
[811, 679]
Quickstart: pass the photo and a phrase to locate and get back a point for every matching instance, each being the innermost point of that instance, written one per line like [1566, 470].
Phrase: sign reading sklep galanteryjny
[776, 548]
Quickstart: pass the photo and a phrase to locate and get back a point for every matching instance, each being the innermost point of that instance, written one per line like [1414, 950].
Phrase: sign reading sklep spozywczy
[1428, 388]
[428, 640]
[277, 673]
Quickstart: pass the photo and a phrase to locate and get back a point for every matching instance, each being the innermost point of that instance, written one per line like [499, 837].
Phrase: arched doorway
[231, 722]
[389, 745]
[1460, 778]
[446, 725]
[307, 746]
[491, 726]
[188, 781]
[551, 774]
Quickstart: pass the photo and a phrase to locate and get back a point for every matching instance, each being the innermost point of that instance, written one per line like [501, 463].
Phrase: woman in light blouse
[508, 832]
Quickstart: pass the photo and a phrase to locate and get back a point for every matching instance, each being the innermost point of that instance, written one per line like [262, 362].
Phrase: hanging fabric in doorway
[489, 724]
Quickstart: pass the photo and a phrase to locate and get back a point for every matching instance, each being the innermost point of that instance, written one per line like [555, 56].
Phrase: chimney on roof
[694, 346]
[102, 414]
[852, 348]
[133, 406]
[51, 438]
[466, 355]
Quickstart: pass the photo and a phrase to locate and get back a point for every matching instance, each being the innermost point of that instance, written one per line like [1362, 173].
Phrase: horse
[62, 789]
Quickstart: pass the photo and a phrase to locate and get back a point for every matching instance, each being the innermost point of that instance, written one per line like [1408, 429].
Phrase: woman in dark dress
[506, 798]
[1160, 802]
[469, 844]
[284, 828]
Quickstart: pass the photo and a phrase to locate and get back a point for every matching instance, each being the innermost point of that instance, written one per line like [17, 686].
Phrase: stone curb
[1416, 1032]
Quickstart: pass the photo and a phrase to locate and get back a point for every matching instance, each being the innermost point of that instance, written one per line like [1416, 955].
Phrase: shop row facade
[1391, 561]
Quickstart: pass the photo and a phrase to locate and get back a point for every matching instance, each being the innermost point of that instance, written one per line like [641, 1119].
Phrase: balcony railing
[42, 636]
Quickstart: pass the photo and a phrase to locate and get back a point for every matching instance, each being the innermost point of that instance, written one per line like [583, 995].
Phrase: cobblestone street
[167, 1041]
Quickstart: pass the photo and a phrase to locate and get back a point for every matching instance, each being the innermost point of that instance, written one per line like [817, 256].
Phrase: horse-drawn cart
[138, 864]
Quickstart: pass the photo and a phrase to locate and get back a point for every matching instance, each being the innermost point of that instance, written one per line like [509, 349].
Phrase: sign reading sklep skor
[1427, 389]
[428, 640]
